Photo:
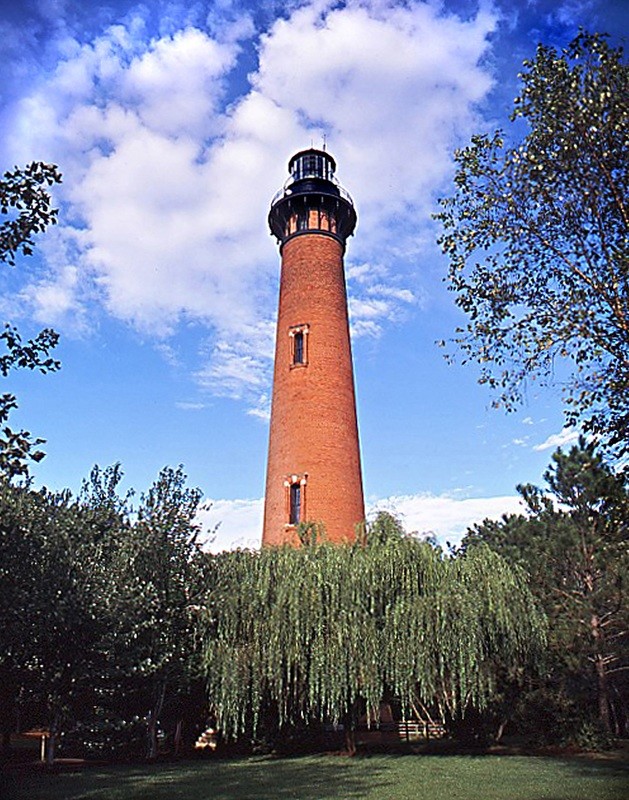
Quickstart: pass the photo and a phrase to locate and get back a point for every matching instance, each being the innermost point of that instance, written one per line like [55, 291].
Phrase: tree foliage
[26, 202]
[51, 581]
[536, 237]
[574, 543]
[27, 205]
[321, 632]
[17, 448]
[159, 572]
[96, 630]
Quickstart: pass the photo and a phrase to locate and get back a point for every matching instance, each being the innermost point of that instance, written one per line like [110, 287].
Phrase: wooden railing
[405, 731]
[410, 730]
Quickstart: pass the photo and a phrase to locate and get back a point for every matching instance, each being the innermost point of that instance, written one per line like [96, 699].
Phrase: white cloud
[445, 516]
[392, 84]
[261, 408]
[404, 295]
[373, 303]
[61, 299]
[555, 440]
[239, 365]
[368, 314]
[168, 177]
[168, 353]
[187, 69]
[54, 299]
[239, 524]
[370, 309]
[573, 12]
[366, 273]
[365, 328]
[137, 173]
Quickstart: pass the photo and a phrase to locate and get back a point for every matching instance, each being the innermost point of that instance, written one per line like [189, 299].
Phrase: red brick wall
[313, 418]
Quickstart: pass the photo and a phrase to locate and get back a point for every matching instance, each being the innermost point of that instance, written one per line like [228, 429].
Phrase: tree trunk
[603, 694]
[52, 742]
[501, 729]
[601, 675]
[350, 741]
[8, 706]
[153, 745]
[350, 722]
[178, 737]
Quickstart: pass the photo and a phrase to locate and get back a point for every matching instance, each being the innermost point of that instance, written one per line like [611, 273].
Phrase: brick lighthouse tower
[313, 470]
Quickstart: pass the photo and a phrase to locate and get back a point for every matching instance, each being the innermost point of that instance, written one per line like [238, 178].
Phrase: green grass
[381, 777]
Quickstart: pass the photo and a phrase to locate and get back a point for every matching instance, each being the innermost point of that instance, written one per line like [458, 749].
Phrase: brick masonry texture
[314, 431]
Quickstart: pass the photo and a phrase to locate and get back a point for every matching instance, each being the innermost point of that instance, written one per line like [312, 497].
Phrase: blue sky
[172, 123]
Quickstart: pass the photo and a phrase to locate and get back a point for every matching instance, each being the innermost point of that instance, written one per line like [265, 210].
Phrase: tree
[52, 575]
[322, 632]
[157, 575]
[574, 542]
[96, 611]
[536, 237]
[26, 204]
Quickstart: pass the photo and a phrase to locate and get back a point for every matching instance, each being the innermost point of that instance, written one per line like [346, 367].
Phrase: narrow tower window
[295, 504]
[298, 355]
[295, 486]
[298, 345]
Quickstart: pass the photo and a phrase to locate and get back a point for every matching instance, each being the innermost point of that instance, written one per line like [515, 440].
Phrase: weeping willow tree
[322, 632]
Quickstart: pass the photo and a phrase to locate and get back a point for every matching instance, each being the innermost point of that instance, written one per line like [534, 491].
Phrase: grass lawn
[325, 777]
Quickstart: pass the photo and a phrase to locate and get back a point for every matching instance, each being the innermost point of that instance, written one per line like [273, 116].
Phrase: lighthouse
[313, 469]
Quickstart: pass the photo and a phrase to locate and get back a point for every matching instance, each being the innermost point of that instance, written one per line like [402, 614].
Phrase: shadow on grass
[378, 776]
[595, 768]
[309, 778]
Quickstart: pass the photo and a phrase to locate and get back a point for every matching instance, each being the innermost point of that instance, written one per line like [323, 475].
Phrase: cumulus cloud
[369, 313]
[392, 84]
[53, 299]
[240, 366]
[187, 69]
[376, 299]
[168, 173]
[445, 516]
[231, 524]
[565, 437]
